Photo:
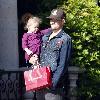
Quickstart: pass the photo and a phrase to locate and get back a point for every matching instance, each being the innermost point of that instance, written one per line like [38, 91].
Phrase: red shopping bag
[37, 78]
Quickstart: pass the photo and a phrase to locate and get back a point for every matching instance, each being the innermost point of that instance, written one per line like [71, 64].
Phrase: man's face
[56, 24]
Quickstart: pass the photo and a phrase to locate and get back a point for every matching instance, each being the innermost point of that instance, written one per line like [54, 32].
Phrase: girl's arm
[45, 31]
[24, 41]
[25, 45]
[28, 51]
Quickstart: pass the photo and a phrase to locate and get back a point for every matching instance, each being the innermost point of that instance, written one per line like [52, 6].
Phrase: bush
[83, 24]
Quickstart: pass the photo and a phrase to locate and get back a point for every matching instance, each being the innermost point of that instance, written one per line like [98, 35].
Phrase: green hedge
[83, 24]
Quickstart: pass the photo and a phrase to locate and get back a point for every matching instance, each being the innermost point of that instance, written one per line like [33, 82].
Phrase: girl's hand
[28, 51]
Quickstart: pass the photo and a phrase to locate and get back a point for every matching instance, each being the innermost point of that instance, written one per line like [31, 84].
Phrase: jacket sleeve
[24, 41]
[64, 56]
[45, 31]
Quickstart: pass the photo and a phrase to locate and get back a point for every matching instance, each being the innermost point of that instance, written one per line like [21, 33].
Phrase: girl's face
[32, 25]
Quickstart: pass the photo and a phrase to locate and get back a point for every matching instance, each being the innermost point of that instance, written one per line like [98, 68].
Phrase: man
[55, 52]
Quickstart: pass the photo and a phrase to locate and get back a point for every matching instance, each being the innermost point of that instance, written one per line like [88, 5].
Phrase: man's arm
[64, 56]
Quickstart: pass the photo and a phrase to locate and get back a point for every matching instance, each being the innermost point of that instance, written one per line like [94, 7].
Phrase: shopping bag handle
[36, 66]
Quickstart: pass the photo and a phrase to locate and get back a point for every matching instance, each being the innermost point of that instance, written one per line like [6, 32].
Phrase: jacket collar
[58, 35]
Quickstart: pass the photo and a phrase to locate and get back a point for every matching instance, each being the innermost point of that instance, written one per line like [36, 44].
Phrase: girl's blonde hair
[28, 16]
[37, 19]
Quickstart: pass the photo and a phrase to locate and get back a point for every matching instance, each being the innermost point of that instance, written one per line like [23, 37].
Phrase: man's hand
[34, 60]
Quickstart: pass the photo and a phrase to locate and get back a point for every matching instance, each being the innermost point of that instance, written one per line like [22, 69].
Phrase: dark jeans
[47, 94]
[29, 95]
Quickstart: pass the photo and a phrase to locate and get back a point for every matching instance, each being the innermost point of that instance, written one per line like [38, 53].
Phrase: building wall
[8, 34]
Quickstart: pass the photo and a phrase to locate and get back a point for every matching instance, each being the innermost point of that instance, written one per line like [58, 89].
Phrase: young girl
[31, 41]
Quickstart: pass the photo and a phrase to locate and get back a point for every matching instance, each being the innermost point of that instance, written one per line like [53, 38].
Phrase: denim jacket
[55, 53]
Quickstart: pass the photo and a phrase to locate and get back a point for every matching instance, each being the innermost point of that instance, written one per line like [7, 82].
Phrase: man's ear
[63, 20]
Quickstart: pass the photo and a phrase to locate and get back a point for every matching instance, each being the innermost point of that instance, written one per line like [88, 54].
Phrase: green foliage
[83, 24]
